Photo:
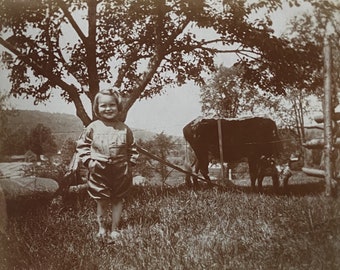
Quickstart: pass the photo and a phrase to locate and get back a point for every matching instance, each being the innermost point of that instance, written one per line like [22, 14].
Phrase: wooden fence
[329, 143]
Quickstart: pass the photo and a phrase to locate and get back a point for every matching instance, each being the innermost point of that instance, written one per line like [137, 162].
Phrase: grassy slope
[177, 228]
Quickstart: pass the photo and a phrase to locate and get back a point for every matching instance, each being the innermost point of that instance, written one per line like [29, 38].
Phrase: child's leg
[117, 208]
[102, 206]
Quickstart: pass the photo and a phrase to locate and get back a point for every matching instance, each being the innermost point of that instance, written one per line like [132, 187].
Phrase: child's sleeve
[84, 146]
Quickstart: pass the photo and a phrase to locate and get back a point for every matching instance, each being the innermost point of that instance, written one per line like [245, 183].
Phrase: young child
[106, 148]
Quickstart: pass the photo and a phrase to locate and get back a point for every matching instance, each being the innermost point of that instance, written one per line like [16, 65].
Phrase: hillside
[57, 122]
[62, 125]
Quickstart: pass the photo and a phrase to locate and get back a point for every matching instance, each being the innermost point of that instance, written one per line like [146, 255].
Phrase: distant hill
[62, 125]
[57, 122]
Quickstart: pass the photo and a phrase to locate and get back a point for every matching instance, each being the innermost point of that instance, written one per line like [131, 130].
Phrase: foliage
[140, 46]
[226, 95]
[41, 140]
[314, 28]
[290, 145]
[47, 169]
[5, 113]
[62, 125]
[175, 228]
[20, 139]
[160, 145]
[144, 165]
[15, 143]
[67, 150]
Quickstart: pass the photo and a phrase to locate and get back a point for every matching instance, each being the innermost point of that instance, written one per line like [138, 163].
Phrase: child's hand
[133, 163]
[86, 163]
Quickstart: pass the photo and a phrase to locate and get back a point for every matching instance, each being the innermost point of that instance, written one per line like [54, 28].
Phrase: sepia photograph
[170, 134]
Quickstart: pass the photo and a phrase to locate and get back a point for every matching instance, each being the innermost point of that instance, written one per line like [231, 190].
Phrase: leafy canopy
[140, 46]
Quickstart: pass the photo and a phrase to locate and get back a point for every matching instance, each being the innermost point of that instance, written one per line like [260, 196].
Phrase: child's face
[107, 107]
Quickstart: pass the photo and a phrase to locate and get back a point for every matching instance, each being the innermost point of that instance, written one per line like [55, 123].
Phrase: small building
[30, 156]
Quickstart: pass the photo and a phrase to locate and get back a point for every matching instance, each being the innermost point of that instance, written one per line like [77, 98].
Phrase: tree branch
[176, 33]
[68, 15]
[131, 58]
[142, 83]
[71, 90]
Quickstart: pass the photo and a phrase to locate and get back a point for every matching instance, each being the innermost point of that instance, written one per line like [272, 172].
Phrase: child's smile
[107, 107]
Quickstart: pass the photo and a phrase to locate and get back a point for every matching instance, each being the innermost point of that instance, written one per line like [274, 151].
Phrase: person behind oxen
[267, 167]
[107, 149]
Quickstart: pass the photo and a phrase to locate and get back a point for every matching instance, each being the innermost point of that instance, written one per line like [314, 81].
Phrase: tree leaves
[142, 46]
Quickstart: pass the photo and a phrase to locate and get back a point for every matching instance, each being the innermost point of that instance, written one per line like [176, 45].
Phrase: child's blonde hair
[108, 92]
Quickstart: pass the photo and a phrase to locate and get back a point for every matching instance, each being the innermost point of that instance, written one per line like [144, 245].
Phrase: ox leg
[192, 168]
[188, 176]
[285, 183]
[207, 178]
[253, 172]
[286, 175]
[259, 182]
[196, 170]
[203, 168]
[201, 165]
[276, 182]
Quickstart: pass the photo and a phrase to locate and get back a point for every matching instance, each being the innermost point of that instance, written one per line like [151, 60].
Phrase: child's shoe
[101, 235]
[113, 236]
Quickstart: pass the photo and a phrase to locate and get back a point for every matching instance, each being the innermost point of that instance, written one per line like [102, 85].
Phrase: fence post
[329, 141]
[328, 111]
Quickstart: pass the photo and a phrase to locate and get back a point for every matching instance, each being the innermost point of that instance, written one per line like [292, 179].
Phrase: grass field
[173, 227]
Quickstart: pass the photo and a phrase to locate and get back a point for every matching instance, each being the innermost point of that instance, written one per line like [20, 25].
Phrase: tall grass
[177, 228]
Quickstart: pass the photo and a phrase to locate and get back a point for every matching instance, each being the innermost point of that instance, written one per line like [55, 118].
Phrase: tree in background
[161, 146]
[16, 142]
[144, 165]
[3, 114]
[227, 95]
[12, 142]
[312, 28]
[41, 140]
[3, 122]
[140, 46]
[67, 151]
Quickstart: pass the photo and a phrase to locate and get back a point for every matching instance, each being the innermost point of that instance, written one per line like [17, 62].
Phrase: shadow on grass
[25, 206]
[294, 189]
[299, 190]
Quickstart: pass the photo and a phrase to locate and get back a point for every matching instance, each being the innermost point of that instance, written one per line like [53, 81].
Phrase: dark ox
[250, 138]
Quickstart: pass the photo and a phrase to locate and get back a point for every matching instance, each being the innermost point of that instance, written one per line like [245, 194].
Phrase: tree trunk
[90, 44]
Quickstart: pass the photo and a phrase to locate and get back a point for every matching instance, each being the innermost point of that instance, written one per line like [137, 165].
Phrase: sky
[167, 113]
